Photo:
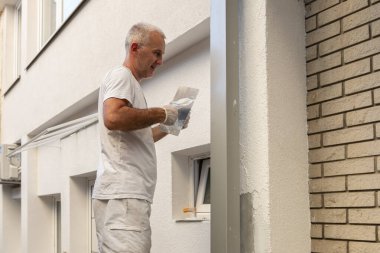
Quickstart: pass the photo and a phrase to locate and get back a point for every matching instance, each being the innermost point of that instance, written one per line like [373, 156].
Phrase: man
[126, 175]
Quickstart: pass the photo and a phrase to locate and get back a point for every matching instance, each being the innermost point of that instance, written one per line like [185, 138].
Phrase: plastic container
[183, 101]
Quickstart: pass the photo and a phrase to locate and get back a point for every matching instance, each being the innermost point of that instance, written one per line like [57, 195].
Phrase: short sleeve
[118, 85]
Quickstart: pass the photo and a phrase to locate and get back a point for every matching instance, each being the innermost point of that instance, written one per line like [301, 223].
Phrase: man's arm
[118, 114]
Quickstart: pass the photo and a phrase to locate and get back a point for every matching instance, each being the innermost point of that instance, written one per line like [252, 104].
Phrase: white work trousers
[122, 225]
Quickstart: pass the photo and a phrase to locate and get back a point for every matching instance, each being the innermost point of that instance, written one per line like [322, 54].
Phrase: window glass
[18, 42]
[49, 19]
[69, 6]
[207, 198]
[57, 224]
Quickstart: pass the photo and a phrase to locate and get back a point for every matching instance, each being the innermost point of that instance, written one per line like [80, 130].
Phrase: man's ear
[134, 47]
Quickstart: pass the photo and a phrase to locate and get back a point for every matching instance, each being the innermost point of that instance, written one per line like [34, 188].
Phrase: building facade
[308, 122]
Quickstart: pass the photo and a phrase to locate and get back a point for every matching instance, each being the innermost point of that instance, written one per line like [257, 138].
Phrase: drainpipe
[225, 163]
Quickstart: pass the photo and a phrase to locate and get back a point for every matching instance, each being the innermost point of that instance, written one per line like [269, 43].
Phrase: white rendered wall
[62, 83]
[74, 63]
[273, 125]
[10, 218]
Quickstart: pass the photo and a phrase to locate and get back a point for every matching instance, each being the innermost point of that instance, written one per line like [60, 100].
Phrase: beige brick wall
[343, 111]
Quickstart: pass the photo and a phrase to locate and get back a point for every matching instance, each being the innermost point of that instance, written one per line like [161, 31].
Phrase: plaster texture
[273, 125]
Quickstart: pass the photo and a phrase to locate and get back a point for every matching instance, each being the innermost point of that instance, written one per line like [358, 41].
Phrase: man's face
[149, 55]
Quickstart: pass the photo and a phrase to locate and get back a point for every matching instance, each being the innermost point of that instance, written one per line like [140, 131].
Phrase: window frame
[91, 220]
[57, 226]
[198, 180]
[60, 19]
[200, 206]
[13, 73]
[17, 40]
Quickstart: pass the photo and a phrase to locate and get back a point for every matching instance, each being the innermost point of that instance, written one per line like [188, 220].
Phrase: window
[12, 45]
[93, 239]
[57, 224]
[191, 174]
[53, 15]
[202, 186]
[17, 29]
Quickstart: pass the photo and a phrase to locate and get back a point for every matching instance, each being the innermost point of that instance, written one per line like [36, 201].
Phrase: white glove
[171, 115]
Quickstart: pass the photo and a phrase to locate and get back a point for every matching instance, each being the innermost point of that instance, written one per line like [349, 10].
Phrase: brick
[375, 28]
[319, 6]
[340, 11]
[344, 40]
[311, 23]
[311, 53]
[323, 94]
[364, 247]
[328, 246]
[327, 184]
[326, 154]
[362, 83]
[345, 72]
[376, 96]
[351, 232]
[315, 170]
[315, 200]
[363, 116]
[364, 216]
[328, 215]
[347, 135]
[347, 103]
[312, 111]
[327, 123]
[377, 127]
[322, 33]
[312, 82]
[316, 231]
[314, 141]
[349, 166]
[369, 148]
[361, 17]
[362, 50]
[364, 182]
[324, 63]
[350, 199]
[376, 62]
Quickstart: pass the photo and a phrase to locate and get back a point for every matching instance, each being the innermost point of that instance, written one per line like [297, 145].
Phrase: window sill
[193, 220]
[55, 34]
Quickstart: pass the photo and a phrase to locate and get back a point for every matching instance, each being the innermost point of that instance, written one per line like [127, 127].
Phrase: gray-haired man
[126, 176]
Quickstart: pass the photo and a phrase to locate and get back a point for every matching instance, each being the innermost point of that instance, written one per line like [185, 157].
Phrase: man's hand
[171, 115]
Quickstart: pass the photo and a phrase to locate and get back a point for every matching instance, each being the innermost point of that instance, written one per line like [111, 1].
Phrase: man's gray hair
[139, 33]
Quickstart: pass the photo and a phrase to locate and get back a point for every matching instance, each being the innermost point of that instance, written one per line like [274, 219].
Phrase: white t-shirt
[127, 166]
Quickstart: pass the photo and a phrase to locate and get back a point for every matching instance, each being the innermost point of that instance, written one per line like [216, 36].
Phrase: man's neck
[128, 65]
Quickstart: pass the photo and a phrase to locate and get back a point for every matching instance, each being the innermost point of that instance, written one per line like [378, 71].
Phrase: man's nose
[159, 61]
